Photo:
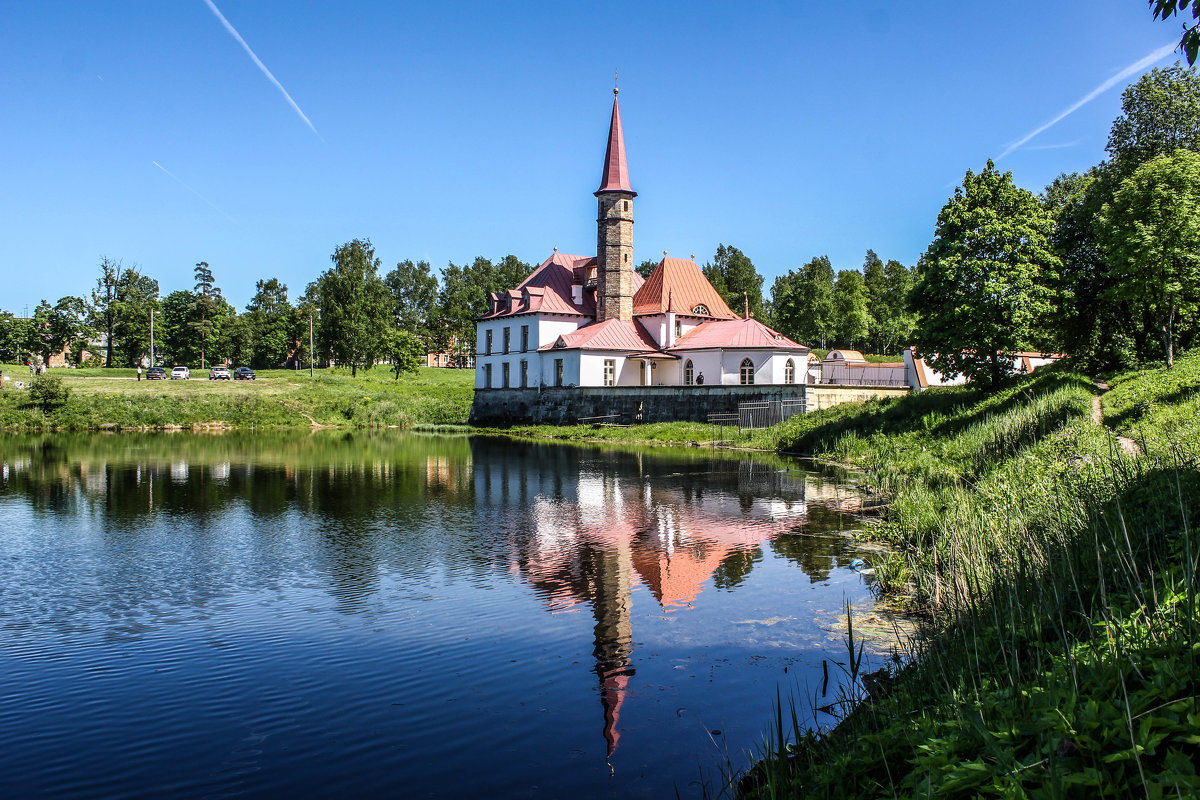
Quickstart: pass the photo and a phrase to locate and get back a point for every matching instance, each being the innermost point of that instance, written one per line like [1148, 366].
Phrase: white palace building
[578, 325]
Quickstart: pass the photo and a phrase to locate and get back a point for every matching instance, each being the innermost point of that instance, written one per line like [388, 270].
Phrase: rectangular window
[507, 339]
[487, 376]
[504, 374]
[610, 372]
[524, 374]
[487, 348]
[558, 372]
[524, 338]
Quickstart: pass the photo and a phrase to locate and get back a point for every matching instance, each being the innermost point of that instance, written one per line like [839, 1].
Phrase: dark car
[243, 374]
[156, 374]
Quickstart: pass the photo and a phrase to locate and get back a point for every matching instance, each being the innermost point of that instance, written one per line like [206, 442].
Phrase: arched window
[702, 310]
[789, 371]
[747, 372]
[689, 373]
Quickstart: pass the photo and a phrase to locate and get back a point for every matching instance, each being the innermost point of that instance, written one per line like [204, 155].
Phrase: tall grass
[1060, 654]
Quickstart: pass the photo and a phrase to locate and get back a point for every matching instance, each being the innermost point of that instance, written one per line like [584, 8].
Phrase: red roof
[748, 334]
[616, 173]
[679, 285]
[549, 289]
[612, 334]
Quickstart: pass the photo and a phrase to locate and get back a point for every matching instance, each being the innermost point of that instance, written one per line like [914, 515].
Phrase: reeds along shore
[1057, 574]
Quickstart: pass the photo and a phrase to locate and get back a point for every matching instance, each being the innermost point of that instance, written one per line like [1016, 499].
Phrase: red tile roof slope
[612, 334]
[616, 174]
[549, 288]
[678, 282]
[749, 334]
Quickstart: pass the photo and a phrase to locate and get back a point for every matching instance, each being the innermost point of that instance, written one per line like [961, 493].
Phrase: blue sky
[144, 131]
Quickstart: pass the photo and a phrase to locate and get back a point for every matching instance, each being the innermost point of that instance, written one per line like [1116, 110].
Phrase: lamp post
[152, 337]
[311, 354]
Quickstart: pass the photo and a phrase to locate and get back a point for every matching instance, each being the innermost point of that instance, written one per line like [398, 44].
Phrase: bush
[48, 391]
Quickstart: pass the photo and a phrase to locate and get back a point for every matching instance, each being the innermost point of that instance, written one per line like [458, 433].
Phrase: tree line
[357, 316]
[1102, 265]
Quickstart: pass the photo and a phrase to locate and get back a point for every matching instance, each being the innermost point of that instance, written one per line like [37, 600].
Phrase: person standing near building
[139, 372]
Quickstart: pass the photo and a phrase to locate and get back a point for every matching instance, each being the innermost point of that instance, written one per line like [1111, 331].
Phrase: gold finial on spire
[616, 90]
[664, 252]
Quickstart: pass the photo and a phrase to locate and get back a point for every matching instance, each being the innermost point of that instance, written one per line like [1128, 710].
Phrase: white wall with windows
[524, 335]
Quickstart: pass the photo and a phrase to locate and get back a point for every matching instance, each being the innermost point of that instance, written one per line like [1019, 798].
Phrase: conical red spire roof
[616, 173]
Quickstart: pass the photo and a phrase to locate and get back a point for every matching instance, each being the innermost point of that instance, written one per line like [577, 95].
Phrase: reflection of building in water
[599, 535]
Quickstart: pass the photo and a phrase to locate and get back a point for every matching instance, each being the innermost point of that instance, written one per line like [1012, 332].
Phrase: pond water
[309, 615]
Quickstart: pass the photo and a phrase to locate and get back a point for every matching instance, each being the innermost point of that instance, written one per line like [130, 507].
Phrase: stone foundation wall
[633, 404]
[568, 405]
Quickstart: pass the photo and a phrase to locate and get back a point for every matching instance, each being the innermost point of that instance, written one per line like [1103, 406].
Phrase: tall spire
[616, 173]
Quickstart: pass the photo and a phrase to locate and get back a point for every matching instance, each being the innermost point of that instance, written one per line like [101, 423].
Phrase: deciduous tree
[734, 277]
[984, 280]
[355, 306]
[1189, 42]
[1152, 240]
[414, 290]
[852, 320]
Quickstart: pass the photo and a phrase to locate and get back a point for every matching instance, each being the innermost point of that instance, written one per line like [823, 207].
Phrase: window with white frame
[524, 338]
[504, 374]
[747, 372]
[487, 376]
[524, 374]
[558, 372]
[789, 371]
[689, 373]
[487, 348]
[610, 372]
[507, 339]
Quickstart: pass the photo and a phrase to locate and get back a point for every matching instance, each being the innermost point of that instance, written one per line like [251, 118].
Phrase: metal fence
[765, 413]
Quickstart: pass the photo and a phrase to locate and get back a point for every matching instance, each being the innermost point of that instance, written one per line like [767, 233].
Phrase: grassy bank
[103, 399]
[1061, 656]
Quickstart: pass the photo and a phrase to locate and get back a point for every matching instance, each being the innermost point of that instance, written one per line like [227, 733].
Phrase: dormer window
[560, 342]
[702, 310]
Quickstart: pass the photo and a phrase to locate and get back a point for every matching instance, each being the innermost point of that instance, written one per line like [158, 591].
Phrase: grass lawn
[114, 398]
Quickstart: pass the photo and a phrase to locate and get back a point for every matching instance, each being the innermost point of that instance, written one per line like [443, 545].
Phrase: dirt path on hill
[1128, 446]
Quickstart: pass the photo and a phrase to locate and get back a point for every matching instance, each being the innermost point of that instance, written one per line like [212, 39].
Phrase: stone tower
[614, 229]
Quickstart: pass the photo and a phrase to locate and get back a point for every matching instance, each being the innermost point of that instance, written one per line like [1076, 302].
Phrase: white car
[180, 374]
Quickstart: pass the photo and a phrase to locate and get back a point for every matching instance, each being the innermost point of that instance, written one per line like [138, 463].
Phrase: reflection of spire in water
[610, 575]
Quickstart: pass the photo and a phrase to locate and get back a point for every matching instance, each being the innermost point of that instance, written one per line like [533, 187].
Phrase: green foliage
[465, 297]
[983, 284]
[734, 277]
[14, 333]
[1152, 240]
[270, 327]
[48, 391]
[852, 320]
[1160, 113]
[645, 268]
[1160, 408]
[802, 301]
[403, 350]
[888, 289]
[1189, 42]
[108, 399]
[414, 291]
[1060, 659]
[355, 306]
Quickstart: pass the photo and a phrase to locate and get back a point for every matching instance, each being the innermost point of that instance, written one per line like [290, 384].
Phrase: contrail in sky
[193, 191]
[233, 32]
[1101, 89]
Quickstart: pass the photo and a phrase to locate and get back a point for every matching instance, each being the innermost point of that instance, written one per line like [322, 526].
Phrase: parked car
[156, 374]
[243, 374]
[218, 374]
[180, 374]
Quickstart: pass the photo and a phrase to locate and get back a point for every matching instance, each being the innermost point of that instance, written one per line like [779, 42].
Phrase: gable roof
[678, 285]
[744, 334]
[611, 334]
